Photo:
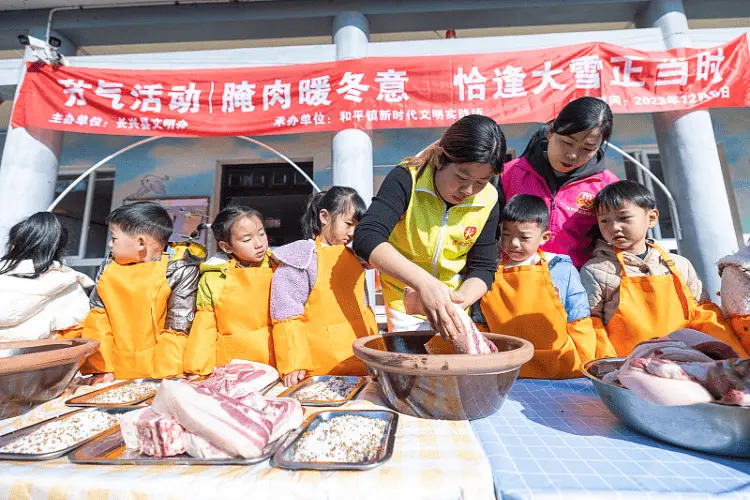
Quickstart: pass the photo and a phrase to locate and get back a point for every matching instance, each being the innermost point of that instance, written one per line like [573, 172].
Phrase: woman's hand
[294, 378]
[437, 303]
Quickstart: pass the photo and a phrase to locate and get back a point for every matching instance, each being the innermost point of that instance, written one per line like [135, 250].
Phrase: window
[664, 230]
[277, 190]
[83, 212]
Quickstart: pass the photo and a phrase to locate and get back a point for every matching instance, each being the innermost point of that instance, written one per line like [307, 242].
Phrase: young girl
[40, 297]
[432, 229]
[232, 319]
[564, 165]
[317, 293]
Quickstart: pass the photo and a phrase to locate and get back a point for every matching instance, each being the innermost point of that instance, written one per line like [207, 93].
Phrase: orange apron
[243, 317]
[335, 316]
[523, 303]
[135, 298]
[654, 306]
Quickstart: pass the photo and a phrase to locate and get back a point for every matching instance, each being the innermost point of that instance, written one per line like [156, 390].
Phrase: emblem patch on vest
[470, 232]
[585, 203]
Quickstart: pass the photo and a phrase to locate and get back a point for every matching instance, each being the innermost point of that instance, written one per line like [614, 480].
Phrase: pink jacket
[571, 208]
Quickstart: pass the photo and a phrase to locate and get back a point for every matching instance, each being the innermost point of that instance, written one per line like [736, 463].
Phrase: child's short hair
[616, 195]
[526, 208]
[143, 217]
[228, 217]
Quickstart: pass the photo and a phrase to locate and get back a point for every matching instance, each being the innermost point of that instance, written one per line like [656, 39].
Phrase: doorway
[276, 190]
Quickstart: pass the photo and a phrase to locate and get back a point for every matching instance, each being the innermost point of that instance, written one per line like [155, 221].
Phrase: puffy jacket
[38, 308]
[601, 277]
[572, 216]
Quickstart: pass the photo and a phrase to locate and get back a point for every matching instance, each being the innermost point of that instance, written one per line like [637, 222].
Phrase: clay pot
[36, 371]
[445, 386]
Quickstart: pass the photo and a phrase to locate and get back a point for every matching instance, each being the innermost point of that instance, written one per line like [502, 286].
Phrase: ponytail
[311, 218]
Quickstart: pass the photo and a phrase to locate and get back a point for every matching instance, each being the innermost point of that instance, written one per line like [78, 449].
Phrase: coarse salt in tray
[341, 440]
[129, 393]
[58, 436]
[326, 390]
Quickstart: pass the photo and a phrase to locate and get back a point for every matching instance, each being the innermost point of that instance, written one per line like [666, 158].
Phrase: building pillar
[692, 168]
[352, 148]
[31, 157]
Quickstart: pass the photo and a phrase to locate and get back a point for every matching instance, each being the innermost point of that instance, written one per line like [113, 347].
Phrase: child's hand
[294, 378]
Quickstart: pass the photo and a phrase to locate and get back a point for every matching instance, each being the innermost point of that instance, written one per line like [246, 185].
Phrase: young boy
[144, 301]
[538, 296]
[636, 289]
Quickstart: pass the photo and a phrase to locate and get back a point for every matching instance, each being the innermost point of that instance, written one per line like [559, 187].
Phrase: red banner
[376, 93]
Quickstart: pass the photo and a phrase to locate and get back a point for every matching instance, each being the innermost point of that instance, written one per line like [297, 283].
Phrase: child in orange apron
[735, 292]
[144, 301]
[317, 293]
[538, 295]
[636, 289]
[233, 319]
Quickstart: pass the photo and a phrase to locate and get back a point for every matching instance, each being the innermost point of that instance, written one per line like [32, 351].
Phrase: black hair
[337, 201]
[584, 113]
[472, 139]
[41, 238]
[142, 217]
[228, 217]
[526, 208]
[616, 195]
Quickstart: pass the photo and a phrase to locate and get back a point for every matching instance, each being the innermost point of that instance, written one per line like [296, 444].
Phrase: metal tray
[360, 381]
[84, 401]
[707, 427]
[283, 459]
[109, 449]
[12, 436]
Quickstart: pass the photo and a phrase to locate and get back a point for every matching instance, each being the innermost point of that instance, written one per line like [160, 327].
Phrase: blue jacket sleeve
[569, 288]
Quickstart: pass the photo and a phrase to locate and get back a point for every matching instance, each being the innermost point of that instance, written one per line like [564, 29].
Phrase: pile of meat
[686, 367]
[472, 342]
[224, 416]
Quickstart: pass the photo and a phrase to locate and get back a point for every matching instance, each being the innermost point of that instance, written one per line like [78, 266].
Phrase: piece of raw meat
[240, 378]
[129, 430]
[159, 435]
[682, 369]
[197, 447]
[472, 342]
[231, 426]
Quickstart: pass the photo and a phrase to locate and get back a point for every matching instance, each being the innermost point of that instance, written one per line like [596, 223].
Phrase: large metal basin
[708, 427]
[444, 386]
[34, 372]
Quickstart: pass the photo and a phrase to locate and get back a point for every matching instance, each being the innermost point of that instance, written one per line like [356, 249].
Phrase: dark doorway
[277, 190]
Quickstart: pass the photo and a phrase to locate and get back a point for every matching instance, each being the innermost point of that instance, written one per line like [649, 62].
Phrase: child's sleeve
[596, 299]
[172, 340]
[694, 283]
[290, 289]
[200, 351]
[96, 326]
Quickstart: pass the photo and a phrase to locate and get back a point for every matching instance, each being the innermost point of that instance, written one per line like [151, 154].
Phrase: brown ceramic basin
[445, 386]
[33, 372]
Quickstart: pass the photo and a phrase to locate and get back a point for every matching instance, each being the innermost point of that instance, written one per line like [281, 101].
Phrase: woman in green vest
[432, 228]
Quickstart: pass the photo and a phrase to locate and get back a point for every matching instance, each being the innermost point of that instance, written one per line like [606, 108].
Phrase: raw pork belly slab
[233, 427]
[240, 378]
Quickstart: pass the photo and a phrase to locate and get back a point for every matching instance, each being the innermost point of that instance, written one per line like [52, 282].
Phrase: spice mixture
[61, 434]
[332, 389]
[348, 439]
[128, 393]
